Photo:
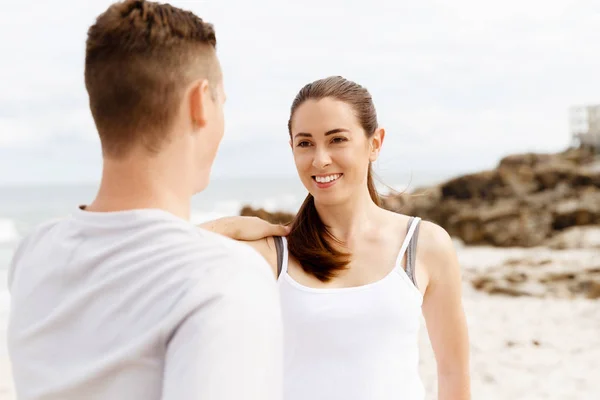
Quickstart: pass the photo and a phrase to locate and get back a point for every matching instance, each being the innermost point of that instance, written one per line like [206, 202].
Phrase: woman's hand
[245, 228]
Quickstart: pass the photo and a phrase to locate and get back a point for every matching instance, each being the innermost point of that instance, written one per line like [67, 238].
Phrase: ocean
[24, 207]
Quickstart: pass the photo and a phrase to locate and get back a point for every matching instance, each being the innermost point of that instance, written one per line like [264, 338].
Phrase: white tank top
[356, 343]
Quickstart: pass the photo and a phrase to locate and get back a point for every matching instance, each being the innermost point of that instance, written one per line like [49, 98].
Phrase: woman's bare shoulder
[434, 244]
[395, 221]
[266, 248]
[435, 249]
[433, 237]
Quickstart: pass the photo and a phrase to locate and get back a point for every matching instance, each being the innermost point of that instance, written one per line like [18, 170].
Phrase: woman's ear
[376, 142]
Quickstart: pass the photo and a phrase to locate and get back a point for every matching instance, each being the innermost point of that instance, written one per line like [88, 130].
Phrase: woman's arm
[253, 231]
[245, 228]
[443, 312]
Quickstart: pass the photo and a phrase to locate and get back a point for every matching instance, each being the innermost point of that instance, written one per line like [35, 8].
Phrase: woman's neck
[345, 220]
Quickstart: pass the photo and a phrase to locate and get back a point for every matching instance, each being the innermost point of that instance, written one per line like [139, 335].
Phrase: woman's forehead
[320, 116]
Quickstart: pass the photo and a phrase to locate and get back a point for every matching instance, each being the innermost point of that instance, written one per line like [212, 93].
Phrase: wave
[289, 203]
[8, 232]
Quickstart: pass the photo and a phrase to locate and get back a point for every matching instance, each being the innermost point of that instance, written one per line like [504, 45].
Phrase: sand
[521, 348]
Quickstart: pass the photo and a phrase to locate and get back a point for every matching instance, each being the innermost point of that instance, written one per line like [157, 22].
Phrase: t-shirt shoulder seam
[235, 280]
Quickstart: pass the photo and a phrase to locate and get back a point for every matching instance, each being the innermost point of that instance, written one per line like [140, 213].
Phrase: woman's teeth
[327, 179]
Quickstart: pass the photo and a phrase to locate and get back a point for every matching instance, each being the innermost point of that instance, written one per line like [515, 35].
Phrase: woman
[354, 280]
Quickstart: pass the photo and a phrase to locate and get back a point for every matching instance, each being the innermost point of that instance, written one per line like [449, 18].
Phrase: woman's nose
[321, 159]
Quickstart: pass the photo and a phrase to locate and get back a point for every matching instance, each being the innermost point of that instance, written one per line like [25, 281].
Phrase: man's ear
[376, 142]
[199, 96]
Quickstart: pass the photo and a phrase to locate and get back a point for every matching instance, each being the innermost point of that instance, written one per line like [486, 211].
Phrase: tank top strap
[413, 223]
[282, 255]
[411, 256]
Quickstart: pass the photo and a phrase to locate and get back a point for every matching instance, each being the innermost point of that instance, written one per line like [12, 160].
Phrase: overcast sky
[457, 84]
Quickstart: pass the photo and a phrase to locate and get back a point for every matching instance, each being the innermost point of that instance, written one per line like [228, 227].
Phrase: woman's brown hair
[310, 240]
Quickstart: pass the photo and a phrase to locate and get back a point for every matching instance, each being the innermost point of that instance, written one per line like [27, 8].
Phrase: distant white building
[584, 123]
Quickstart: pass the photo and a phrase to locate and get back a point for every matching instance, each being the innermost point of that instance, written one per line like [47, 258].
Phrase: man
[126, 299]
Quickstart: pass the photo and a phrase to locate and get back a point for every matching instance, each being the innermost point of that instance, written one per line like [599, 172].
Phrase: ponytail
[311, 242]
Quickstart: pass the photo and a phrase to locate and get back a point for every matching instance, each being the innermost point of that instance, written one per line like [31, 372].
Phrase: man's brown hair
[310, 240]
[140, 56]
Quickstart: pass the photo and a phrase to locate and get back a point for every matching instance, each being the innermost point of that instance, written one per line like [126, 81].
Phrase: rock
[520, 227]
[577, 237]
[507, 291]
[593, 290]
[539, 278]
[584, 210]
[273, 217]
[526, 201]
[514, 262]
[422, 201]
[473, 186]
[516, 277]
[493, 285]
[578, 156]
[589, 287]
[549, 175]
[481, 282]
[558, 277]
[524, 160]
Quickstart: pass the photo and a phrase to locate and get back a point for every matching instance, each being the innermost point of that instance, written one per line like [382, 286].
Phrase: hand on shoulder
[252, 231]
[245, 228]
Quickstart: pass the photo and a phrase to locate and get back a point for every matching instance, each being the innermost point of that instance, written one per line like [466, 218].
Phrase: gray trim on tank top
[279, 250]
[411, 252]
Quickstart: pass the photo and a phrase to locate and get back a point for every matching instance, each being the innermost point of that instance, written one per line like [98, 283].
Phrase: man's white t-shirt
[141, 305]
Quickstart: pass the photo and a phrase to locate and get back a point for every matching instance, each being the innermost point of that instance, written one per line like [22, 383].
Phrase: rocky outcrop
[525, 201]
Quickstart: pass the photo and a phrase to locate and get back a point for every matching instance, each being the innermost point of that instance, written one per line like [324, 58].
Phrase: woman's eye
[303, 144]
[338, 140]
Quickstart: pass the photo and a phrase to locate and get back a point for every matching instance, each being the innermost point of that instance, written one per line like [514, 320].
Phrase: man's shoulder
[29, 241]
[41, 229]
[220, 267]
[38, 232]
[214, 250]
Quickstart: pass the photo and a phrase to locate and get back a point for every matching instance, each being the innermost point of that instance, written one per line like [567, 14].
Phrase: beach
[521, 347]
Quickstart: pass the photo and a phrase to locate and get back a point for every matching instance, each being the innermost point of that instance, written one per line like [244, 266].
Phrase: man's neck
[142, 184]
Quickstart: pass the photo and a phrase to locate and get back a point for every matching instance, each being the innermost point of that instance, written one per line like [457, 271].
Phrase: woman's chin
[330, 198]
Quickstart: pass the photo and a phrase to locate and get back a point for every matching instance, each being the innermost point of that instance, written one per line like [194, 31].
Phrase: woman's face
[331, 150]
